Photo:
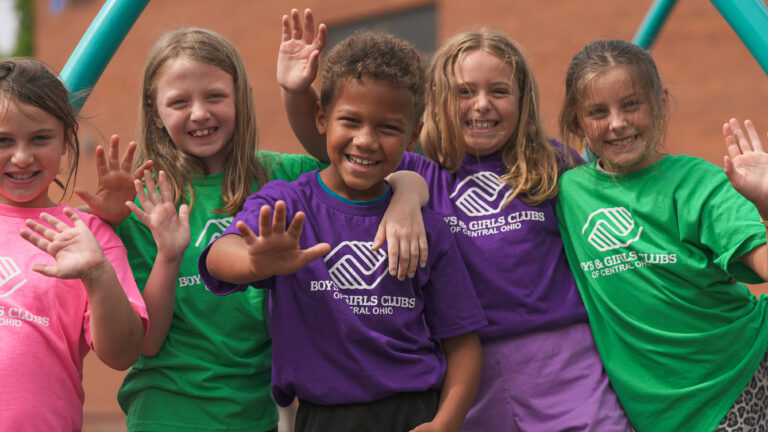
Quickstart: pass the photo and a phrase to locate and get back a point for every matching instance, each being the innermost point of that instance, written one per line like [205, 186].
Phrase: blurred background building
[708, 71]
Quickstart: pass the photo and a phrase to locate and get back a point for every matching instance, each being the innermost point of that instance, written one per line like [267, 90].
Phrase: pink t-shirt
[45, 327]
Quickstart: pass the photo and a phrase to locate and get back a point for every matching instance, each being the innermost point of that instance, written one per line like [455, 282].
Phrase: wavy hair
[241, 163]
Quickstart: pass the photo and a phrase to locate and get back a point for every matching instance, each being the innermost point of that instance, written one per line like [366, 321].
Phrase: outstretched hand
[276, 250]
[298, 58]
[747, 163]
[75, 249]
[115, 182]
[158, 212]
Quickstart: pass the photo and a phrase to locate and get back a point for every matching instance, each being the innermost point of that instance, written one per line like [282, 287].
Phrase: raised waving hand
[746, 164]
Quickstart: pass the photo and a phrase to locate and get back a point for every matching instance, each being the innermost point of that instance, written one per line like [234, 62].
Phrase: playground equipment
[748, 18]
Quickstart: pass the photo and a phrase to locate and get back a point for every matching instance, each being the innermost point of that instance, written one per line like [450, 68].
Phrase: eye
[596, 112]
[41, 139]
[216, 96]
[5, 141]
[465, 92]
[632, 104]
[177, 103]
[391, 129]
[501, 91]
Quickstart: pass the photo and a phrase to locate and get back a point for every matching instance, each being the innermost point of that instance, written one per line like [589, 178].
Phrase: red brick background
[709, 73]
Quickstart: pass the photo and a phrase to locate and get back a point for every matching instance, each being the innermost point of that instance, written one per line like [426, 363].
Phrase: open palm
[747, 162]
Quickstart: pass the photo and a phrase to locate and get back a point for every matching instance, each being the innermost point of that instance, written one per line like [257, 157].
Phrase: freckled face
[489, 101]
[617, 122]
[368, 126]
[32, 143]
[196, 104]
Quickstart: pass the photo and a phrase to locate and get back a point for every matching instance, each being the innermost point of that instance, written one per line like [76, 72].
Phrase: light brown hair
[241, 164]
[531, 162]
[598, 57]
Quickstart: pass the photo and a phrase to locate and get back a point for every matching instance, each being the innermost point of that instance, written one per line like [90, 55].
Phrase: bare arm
[746, 166]
[464, 358]
[297, 64]
[274, 251]
[117, 331]
[402, 226]
[172, 237]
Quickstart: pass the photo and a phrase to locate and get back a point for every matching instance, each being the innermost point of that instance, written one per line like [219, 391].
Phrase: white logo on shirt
[8, 280]
[352, 265]
[611, 228]
[219, 224]
[481, 194]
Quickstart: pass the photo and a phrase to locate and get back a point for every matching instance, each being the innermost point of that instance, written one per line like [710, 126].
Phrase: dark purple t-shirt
[514, 253]
[343, 330]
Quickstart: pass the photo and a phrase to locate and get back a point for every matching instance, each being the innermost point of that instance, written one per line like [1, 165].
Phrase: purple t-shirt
[343, 330]
[514, 253]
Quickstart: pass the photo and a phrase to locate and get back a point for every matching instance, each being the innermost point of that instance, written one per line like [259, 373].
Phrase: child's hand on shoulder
[115, 183]
[746, 164]
[276, 250]
[298, 58]
[158, 212]
[75, 249]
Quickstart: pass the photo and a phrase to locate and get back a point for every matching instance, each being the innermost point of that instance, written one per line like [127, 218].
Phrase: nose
[22, 156]
[481, 102]
[199, 112]
[617, 121]
[365, 138]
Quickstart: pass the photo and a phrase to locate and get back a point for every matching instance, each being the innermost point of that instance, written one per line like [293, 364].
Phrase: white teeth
[476, 124]
[21, 176]
[623, 142]
[363, 162]
[202, 132]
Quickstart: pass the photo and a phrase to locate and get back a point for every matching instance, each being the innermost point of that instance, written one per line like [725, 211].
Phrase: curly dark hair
[379, 56]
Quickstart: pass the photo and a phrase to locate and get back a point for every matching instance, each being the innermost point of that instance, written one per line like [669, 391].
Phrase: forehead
[14, 112]
[479, 64]
[613, 83]
[183, 70]
[374, 97]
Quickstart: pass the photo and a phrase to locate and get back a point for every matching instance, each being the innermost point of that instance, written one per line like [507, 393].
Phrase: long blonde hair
[531, 162]
[241, 164]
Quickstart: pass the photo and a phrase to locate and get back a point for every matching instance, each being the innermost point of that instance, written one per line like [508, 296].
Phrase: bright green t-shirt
[654, 253]
[213, 371]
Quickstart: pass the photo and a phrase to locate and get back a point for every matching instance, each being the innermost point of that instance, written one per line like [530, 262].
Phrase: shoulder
[283, 190]
[415, 162]
[287, 166]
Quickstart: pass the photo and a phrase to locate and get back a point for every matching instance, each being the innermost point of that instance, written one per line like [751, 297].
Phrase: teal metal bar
[749, 20]
[653, 22]
[98, 45]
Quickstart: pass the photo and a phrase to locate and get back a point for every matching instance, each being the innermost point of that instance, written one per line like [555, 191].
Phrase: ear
[414, 138]
[321, 120]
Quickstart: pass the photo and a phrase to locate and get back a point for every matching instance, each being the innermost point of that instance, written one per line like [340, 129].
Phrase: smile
[202, 132]
[623, 142]
[362, 162]
[481, 124]
[21, 176]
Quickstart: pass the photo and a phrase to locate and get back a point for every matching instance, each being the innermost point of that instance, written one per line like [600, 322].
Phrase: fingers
[754, 137]
[392, 255]
[144, 167]
[295, 25]
[265, 223]
[423, 251]
[101, 162]
[309, 26]
[322, 37]
[278, 222]
[184, 215]
[297, 225]
[127, 162]
[246, 233]
[36, 240]
[286, 24]
[113, 159]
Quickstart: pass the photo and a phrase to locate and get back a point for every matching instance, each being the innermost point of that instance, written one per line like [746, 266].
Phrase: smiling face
[489, 102]
[616, 119]
[32, 143]
[368, 125]
[195, 102]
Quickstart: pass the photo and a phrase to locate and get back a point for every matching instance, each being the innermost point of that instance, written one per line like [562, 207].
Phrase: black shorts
[400, 412]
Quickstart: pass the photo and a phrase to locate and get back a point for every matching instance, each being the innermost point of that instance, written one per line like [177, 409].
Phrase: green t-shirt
[213, 371]
[654, 253]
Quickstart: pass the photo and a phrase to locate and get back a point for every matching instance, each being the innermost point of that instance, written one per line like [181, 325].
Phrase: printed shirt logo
[219, 224]
[611, 228]
[481, 194]
[352, 265]
[8, 280]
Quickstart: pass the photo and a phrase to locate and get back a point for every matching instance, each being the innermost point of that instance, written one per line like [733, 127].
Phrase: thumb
[84, 195]
[315, 252]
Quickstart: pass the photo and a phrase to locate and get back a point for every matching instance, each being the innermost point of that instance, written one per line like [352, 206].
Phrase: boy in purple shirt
[361, 349]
